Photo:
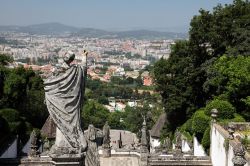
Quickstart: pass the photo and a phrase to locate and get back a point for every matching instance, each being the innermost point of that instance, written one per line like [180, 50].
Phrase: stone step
[180, 162]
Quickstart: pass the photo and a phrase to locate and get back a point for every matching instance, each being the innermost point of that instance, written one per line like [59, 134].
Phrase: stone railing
[225, 149]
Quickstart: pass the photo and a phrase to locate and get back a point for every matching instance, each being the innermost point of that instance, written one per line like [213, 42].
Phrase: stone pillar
[46, 146]
[239, 155]
[178, 145]
[33, 145]
[144, 141]
[231, 130]
[144, 145]
[106, 141]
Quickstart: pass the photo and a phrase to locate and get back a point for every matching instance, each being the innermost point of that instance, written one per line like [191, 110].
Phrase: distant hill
[61, 29]
[147, 34]
[42, 29]
[137, 34]
[91, 32]
[49, 28]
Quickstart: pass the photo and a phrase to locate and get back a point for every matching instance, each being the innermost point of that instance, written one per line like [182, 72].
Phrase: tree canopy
[213, 64]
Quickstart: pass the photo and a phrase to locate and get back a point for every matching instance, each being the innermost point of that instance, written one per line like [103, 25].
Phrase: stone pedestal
[178, 153]
[65, 160]
[33, 151]
[106, 152]
[144, 159]
[34, 161]
[63, 154]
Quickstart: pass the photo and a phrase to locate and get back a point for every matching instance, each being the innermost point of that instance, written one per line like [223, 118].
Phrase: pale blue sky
[105, 14]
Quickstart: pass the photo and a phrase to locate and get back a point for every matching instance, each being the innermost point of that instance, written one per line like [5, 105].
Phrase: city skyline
[157, 15]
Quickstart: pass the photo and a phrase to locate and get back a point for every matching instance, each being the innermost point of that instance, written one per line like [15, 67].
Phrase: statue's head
[69, 57]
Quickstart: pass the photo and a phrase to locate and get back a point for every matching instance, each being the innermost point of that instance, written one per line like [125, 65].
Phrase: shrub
[187, 126]
[11, 115]
[238, 118]
[200, 122]
[206, 139]
[225, 109]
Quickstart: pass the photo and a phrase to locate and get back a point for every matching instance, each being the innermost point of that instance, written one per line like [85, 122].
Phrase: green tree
[195, 73]
[116, 120]
[229, 79]
[5, 59]
[225, 109]
[94, 113]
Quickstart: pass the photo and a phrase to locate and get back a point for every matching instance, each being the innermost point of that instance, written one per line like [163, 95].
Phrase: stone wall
[120, 159]
[221, 148]
[198, 149]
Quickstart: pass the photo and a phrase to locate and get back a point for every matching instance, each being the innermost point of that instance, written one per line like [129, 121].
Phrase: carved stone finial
[33, 144]
[231, 130]
[178, 143]
[214, 114]
[239, 152]
[92, 156]
[120, 141]
[106, 136]
[166, 145]
[106, 140]
[144, 133]
[46, 145]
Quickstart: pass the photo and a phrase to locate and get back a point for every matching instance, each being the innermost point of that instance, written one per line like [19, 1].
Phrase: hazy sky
[105, 14]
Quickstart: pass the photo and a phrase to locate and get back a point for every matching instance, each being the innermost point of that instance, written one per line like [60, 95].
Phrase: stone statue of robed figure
[64, 94]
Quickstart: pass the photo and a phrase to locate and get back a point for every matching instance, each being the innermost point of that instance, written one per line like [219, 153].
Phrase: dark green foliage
[133, 119]
[103, 100]
[238, 118]
[225, 109]
[13, 118]
[11, 115]
[116, 120]
[15, 123]
[229, 78]
[200, 122]
[94, 113]
[187, 126]
[14, 89]
[5, 59]
[34, 108]
[206, 139]
[119, 88]
[197, 72]
[171, 77]
[21, 99]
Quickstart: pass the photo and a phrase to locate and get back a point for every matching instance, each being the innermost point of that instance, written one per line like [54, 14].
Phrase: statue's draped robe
[64, 99]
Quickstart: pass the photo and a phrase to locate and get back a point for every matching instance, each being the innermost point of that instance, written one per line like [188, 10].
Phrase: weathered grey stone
[166, 145]
[231, 130]
[106, 141]
[239, 153]
[33, 145]
[106, 152]
[178, 145]
[46, 146]
[92, 156]
[144, 141]
[64, 98]
[106, 136]
[214, 114]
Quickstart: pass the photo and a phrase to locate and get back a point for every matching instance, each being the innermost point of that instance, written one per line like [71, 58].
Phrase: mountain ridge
[61, 29]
